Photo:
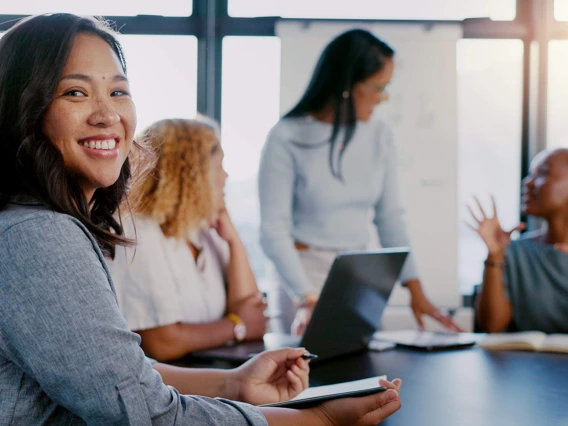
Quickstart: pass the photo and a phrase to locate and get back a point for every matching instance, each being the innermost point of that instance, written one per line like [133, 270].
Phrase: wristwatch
[240, 329]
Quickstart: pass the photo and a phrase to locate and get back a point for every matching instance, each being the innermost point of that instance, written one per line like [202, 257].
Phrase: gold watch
[240, 329]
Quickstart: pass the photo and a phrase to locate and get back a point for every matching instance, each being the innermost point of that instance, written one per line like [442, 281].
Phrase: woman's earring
[345, 94]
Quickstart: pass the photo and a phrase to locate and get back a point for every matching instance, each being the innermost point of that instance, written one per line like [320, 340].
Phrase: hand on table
[304, 314]
[421, 306]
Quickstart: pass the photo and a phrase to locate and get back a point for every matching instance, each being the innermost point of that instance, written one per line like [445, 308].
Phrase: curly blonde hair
[178, 192]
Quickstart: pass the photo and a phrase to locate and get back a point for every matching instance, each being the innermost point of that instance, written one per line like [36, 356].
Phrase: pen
[309, 356]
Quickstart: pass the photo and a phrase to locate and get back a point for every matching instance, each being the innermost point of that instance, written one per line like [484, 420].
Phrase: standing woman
[327, 167]
[66, 354]
[188, 284]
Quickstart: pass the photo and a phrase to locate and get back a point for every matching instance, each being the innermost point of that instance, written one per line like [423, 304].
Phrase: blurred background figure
[325, 168]
[188, 285]
[525, 283]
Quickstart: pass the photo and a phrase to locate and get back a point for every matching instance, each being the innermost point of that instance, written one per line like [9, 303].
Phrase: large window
[163, 76]
[489, 148]
[100, 7]
[250, 107]
[376, 9]
[561, 10]
[557, 94]
[162, 71]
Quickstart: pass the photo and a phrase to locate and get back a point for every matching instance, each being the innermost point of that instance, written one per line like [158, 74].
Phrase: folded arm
[173, 341]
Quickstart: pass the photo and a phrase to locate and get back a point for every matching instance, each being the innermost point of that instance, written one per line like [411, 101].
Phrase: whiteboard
[422, 111]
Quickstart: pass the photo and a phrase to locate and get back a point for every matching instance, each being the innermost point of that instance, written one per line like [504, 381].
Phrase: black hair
[348, 59]
[34, 53]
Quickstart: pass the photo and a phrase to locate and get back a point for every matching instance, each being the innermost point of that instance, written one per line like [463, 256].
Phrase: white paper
[355, 385]
[380, 345]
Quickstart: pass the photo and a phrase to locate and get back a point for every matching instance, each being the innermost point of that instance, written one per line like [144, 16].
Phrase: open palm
[490, 230]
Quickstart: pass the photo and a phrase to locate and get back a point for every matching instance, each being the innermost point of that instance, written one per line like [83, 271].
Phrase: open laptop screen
[352, 301]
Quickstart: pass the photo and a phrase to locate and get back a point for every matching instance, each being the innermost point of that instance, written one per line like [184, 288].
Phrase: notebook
[317, 394]
[347, 313]
[526, 341]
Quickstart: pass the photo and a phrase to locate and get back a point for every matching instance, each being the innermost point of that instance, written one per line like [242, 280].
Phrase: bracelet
[235, 318]
[491, 264]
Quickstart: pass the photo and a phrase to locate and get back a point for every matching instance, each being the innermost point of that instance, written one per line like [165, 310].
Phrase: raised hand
[252, 311]
[489, 229]
[273, 376]
[301, 320]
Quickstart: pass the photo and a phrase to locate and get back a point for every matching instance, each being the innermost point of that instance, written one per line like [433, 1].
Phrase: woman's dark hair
[347, 60]
[33, 55]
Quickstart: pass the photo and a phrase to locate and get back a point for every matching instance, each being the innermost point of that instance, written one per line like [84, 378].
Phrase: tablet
[318, 394]
[315, 400]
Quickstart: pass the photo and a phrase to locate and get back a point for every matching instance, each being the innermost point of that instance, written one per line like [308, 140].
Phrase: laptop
[346, 315]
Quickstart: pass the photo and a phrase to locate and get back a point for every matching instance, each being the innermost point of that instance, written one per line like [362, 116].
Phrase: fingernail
[392, 394]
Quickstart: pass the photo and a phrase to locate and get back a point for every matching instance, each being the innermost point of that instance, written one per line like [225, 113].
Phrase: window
[489, 135]
[163, 76]
[162, 71]
[100, 7]
[376, 9]
[557, 94]
[250, 107]
[561, 10]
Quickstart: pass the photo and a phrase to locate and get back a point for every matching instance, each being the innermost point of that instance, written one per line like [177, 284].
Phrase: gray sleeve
[62, 327]
[276, 180]
[389, 211]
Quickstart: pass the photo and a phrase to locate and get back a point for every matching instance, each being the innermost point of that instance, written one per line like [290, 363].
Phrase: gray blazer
[66, 354]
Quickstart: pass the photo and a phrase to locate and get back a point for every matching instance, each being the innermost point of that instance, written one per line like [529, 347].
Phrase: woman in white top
[188, 285]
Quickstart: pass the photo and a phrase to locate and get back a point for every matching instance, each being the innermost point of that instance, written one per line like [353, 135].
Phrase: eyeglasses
[374, 88]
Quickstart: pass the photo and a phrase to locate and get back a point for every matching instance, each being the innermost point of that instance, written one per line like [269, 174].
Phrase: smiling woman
[67, 355]
[76, 94]
[92, 118]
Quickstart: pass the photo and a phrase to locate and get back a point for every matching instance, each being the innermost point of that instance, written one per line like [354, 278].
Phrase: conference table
[463, 387]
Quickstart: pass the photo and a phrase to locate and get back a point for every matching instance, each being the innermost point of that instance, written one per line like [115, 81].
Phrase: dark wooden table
[464, 387]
